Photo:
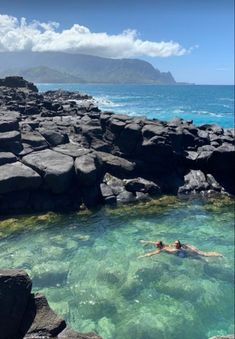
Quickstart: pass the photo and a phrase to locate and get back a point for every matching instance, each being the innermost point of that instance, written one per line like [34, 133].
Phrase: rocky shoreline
[58, 151]
[28, 315]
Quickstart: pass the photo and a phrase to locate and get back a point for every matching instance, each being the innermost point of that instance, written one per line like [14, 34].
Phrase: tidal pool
[87, 266]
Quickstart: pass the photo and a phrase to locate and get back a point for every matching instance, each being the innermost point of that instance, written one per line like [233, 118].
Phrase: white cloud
[18, 35]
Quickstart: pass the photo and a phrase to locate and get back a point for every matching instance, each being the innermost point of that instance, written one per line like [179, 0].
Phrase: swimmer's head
[177, 244]
[159, 244]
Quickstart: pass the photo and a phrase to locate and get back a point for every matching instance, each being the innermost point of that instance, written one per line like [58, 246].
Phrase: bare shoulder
[170, 249]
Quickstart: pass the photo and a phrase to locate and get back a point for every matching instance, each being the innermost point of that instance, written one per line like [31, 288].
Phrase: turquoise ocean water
[202, 104]
[86, 263]
[88, 267]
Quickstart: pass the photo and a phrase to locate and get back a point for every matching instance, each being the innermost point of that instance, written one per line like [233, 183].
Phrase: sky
[193, 39]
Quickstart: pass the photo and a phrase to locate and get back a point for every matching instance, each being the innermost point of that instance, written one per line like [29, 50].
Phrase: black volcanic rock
[142, 185]
[15, 289]
[56, 169]
[116, 165]
[40, 319]
[8, 122]
[16, 177]
[88, 169]
[68, 149]
[17, 82]
[7, 158]
[25, 315]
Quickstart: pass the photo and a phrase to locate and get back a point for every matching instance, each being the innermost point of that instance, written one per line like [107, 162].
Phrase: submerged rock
[68, 333]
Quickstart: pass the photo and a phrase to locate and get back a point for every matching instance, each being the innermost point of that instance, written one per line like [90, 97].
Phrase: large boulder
[113, 190]
[17, 177]
[152, 130]
[158, 153]
[222, 159]
[7, 158]
[34, 140]
[195, 181]
[39, 318]
[11, 141]
[8, 137]
[54, 138]
[221, 163]
[107, 193]
[15, 289]
[8, 122]
[56, 169]
[88, 169]
[72, 149]
[129, 137]
[142, 185]
[115, 165]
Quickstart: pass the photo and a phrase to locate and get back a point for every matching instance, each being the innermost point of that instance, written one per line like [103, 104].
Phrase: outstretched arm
[149, 254]
[148, 242]
[203, 254]
[210, 254]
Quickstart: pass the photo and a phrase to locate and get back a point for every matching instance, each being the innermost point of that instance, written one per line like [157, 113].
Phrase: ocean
[201, 103]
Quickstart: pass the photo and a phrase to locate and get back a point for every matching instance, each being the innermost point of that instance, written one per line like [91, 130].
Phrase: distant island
[58, 67]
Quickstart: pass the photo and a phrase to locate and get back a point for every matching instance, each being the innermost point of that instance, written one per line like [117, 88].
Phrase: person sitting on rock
[160, 247]
[183, 250]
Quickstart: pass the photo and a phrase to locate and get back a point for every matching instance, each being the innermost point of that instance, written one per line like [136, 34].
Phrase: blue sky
[202, 29]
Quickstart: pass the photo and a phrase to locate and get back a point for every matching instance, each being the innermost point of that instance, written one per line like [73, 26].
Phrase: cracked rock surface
[57, 150]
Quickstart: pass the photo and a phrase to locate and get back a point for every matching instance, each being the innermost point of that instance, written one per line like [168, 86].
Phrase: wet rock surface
[26, 315]
[64, 148]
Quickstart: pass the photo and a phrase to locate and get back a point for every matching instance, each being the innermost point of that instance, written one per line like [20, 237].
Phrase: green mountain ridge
[65, 67]
[43, 74]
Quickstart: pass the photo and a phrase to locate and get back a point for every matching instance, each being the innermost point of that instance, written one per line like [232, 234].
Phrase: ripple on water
[88, 268]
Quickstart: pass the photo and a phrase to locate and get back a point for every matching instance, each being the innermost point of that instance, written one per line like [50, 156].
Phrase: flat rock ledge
[27, 315]
[58, 152]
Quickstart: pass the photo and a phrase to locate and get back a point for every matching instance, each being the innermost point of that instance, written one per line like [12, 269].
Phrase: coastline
[58, 154]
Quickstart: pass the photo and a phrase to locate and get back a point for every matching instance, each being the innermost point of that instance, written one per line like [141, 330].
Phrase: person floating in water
[160, 248]
[184, 250]
[181, 250]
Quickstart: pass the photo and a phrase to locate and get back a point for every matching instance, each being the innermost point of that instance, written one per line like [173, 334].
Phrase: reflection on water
[87, 266]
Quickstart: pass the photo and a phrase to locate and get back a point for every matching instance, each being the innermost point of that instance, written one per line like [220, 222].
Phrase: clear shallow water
[202, 104]
[87, 266]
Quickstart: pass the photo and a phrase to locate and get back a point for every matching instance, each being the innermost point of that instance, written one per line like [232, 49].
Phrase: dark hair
[178, 243]
[159, 243]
